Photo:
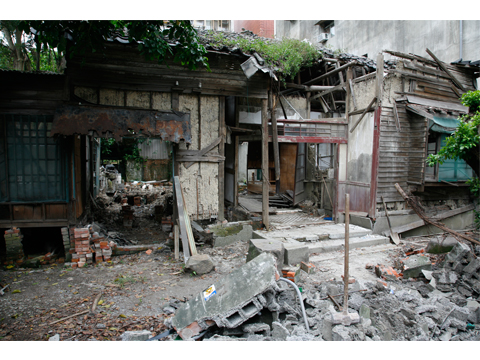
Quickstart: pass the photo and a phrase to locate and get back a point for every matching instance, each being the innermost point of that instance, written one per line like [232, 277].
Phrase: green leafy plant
[124, 279]
[464, 142]
[26, 40]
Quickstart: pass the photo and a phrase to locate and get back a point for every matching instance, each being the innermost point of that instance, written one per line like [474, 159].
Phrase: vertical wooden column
[237, 149]
[276, 152]
[265, 180]
[221, 164]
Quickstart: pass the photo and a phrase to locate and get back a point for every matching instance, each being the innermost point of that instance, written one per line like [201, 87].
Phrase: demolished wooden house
[392, 119]
[347, 125]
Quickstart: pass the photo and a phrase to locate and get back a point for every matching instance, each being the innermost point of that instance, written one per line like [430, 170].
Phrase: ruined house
[318, 137]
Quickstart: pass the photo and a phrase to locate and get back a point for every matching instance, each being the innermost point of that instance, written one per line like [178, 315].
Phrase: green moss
[223, 231]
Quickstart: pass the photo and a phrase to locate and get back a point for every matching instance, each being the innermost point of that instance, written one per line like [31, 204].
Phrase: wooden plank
[379, 80]
[191, 239]
[363, 114]
[205, 158]
[330, 73]
[395, 114]
[444, 68]
[176, 243]
[326, 92]
[181, 217]
[454, 106]
[205, 150]
[276, 154]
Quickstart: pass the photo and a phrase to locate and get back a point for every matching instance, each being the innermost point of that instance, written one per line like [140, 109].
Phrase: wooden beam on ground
[435, 223]
[363, 114]
[444, 68]
[181, 217]
[191, 239]
[265, 180]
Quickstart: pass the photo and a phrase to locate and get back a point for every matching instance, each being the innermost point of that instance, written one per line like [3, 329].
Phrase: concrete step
[339, 244]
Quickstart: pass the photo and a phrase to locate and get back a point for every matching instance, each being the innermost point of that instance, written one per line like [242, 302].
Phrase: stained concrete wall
[206, 174]
[370, 37]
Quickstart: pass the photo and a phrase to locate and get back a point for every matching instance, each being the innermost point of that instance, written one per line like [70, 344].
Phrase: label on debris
[207, 294]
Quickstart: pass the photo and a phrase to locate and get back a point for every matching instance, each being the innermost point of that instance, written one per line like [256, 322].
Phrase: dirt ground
[135, 290]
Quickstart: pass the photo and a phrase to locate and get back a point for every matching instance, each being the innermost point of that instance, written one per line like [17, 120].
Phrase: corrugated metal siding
[155, 149]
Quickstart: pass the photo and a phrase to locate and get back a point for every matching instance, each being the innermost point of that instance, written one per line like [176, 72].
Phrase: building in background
[222, 25]
[264, 28]
[450, 40]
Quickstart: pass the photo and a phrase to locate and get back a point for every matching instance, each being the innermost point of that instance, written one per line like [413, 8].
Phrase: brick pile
[14, 247]
[86, 243]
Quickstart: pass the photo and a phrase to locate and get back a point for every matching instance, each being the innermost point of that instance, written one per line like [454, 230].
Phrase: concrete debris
[141, 335]
[412, 266]
[200, 264]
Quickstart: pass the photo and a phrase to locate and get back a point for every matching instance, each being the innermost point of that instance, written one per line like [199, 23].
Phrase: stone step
[339, 244]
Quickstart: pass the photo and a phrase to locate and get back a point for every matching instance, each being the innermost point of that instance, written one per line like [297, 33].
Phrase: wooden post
[276, 154]
[176, 242]
[347, 251]
[265, 180]
[379, 84]
[221, 164]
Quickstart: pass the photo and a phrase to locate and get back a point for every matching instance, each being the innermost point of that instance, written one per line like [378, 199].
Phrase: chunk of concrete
[279, 332]
[260, 246]
[141, 335]
[441, 245]
[295, 254]
[412, 266]
[200, 264]
[232, 300]
[459, 251]
[229, 234]
[386, 272]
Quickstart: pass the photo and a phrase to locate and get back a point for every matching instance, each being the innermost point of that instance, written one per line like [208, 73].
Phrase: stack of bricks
[103, 251]
[86, 243]
[81, 243]
[66, 243]
[14, 247]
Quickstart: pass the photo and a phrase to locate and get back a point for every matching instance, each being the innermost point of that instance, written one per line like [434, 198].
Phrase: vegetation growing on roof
[287, 56]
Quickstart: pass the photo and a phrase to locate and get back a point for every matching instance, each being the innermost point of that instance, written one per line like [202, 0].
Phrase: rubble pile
[137, 204]
[436, 300]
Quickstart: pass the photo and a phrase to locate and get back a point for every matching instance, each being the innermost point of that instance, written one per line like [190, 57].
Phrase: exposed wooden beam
[363, 114]
[329, 91]
[444, 68]
[330, 73]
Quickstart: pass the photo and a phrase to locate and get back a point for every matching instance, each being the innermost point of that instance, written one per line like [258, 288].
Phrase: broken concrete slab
[200, 264]
[354, 243]
[412, 266]
[260, 246]
[232, 300]
[295, 254]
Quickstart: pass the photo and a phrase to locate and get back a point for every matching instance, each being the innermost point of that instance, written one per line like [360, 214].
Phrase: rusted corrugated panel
[120, 122]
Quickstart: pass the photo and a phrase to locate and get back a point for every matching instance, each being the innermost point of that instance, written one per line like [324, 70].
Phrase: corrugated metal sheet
[155, 149]
[121, 122]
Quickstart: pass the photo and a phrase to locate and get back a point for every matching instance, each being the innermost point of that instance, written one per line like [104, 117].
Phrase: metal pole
[345, 275]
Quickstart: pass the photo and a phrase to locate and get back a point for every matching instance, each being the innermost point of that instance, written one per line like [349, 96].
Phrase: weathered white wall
[206, 174]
